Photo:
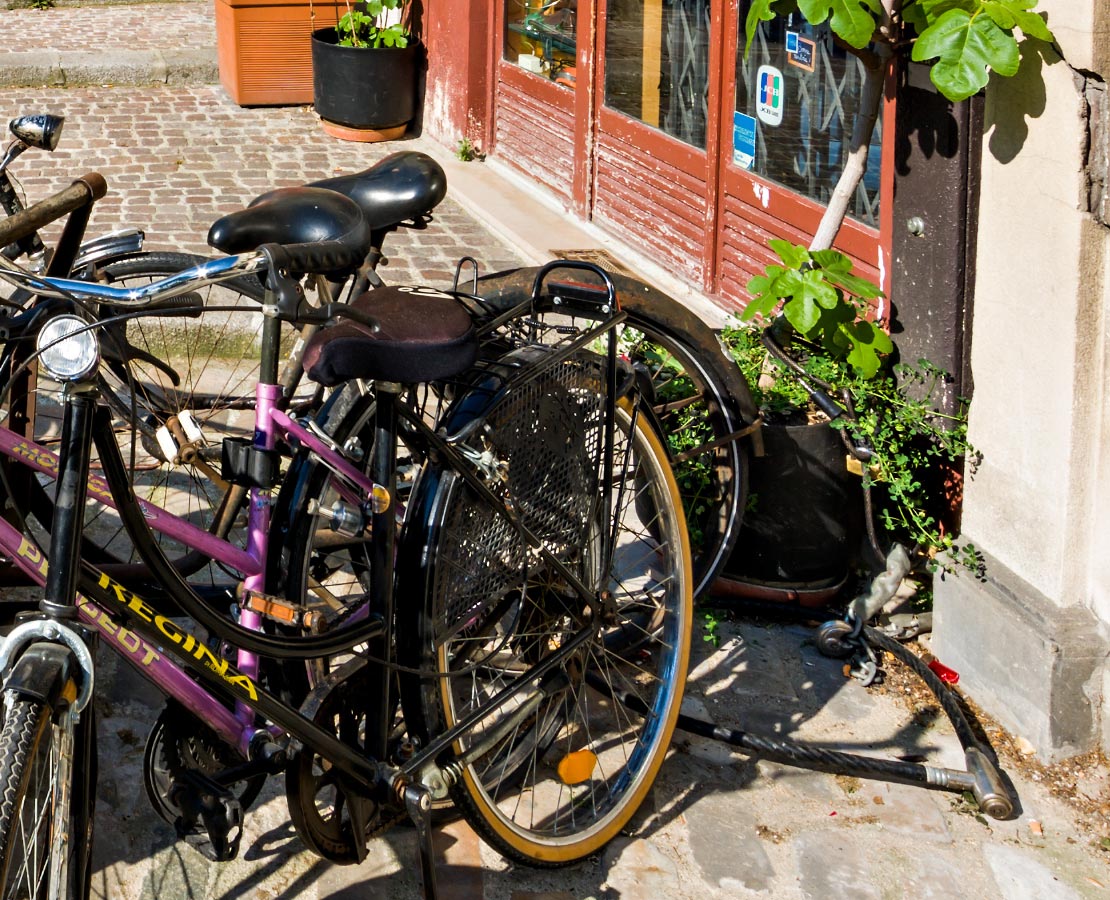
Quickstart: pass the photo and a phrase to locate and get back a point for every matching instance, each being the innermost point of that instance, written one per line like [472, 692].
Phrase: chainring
[179, 741]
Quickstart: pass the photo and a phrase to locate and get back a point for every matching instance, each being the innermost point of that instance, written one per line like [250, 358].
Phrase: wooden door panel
[534, 130]
[656, 204]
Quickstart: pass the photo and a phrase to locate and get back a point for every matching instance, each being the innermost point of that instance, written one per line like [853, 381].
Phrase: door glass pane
[796, 98]
[657, 64]
[540, 37]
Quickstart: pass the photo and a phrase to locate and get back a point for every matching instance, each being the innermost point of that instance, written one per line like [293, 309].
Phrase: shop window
[540, 37]
[657, 64]
[796, 98]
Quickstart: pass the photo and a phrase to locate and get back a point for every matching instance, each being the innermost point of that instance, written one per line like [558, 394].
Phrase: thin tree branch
[871, 95]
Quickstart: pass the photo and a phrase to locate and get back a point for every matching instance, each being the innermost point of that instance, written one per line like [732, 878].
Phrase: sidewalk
[718, 824]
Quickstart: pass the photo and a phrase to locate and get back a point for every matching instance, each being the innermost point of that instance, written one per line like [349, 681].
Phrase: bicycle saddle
[299, 215]
[404, 185]
[423, 335]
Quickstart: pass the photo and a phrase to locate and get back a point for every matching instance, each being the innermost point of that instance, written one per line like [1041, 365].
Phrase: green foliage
[969, 39]
[919, 452]
[823, 301]
[712, 627]
[363, 25]
[967, 48]
[852, 20]
[467, 151]
[42, 4]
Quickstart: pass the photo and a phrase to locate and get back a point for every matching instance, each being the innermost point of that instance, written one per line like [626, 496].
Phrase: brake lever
[329, 312]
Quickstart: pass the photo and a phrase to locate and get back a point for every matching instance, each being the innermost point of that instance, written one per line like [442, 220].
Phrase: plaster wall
[1040, 503]
[1029, 335]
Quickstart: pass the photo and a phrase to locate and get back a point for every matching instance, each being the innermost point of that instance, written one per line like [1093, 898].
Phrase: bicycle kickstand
[418, 804]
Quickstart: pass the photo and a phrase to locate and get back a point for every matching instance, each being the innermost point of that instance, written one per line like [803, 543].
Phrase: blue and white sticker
[743, 140]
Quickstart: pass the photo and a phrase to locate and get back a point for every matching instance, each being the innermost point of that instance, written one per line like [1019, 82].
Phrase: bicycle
[573, 657]
[172, 426]
[700, 401]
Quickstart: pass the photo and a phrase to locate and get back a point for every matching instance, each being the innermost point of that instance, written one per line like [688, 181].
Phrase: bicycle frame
[172, 658]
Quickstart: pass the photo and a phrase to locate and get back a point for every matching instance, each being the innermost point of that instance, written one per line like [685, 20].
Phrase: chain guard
[333, 816]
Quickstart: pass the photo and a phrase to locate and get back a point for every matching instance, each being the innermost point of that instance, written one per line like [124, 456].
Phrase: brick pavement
[178, 158]
[717, 824]
[187, 24]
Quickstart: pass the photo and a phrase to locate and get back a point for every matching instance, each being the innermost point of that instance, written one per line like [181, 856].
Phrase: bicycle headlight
[68, 349]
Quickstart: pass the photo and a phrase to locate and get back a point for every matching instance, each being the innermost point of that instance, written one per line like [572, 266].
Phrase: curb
[126, 67]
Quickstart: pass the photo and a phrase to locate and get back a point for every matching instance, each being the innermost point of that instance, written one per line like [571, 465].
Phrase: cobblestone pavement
[177, 158]
[156, 26]
[717, 824]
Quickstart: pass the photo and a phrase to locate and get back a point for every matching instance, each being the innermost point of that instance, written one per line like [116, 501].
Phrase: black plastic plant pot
[806, 522]
[363, 87]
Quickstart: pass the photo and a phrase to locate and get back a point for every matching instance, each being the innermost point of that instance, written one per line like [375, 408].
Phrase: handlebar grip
[84, 190]
[320, 257]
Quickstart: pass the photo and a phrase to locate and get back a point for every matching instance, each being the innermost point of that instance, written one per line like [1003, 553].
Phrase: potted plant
[364, 72]
[806, 517]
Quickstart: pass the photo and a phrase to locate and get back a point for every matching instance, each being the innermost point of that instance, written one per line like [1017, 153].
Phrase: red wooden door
[647, 117]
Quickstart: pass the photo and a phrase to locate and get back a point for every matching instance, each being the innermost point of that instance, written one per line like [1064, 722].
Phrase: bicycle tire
[29, 804]
[447, 558]
[697, 372]
[215, 364]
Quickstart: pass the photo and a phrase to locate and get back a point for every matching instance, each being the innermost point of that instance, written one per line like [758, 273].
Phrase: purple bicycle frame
[234, 727]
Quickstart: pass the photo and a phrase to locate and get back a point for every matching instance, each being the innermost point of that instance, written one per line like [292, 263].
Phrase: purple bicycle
[477, 591]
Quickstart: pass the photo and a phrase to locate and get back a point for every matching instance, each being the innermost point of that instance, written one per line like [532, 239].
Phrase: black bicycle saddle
[404, 185]
[299, 215]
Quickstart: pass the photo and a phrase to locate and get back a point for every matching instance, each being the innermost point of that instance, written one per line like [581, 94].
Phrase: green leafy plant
[467, 151]
[42, 4]
[919, 453]
[374, 23]
[823, 301]
[712, 627]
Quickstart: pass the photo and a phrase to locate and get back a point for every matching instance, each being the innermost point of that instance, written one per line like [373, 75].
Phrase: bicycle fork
[49, 659]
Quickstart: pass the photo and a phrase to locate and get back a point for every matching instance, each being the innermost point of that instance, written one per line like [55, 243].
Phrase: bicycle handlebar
[84, 190]
[318, 256]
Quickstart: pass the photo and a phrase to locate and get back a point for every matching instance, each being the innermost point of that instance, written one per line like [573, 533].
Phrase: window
[657, 64]
[796, 99]
[540, 37]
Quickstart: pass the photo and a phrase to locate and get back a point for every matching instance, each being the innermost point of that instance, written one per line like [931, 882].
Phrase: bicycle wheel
[698, 395]
[37, 781]
[177, 382]
[556, 770]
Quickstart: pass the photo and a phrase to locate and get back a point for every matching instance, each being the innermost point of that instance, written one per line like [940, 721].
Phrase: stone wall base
[1041, 670]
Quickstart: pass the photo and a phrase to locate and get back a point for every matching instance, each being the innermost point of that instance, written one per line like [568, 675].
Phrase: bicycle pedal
[211, 817]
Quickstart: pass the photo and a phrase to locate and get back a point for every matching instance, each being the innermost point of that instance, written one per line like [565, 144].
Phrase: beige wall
[1040, 503]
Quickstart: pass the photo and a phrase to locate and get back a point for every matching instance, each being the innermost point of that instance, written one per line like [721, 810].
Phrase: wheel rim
[573, 770]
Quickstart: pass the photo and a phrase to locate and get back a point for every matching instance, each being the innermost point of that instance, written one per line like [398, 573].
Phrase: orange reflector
[576, 767]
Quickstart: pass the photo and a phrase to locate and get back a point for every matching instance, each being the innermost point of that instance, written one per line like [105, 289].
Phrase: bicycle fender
[42, 673]
[109, 248]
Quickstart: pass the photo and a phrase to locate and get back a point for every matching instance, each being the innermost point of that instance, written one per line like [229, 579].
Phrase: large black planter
[806, 521]
[363, 87]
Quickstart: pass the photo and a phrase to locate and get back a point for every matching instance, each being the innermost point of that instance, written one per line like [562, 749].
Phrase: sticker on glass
[803, 54]
[772, 93]
[743, 140]
[791, 41]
